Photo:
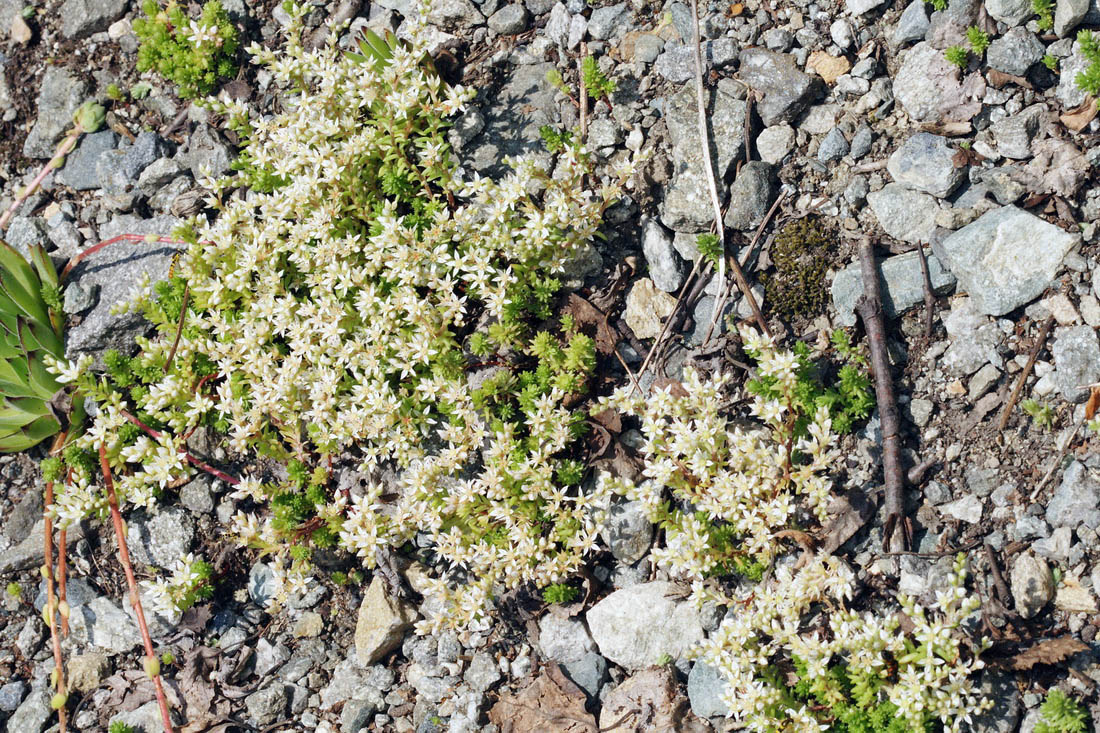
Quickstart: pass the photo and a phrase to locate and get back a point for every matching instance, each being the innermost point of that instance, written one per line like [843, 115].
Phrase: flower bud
[63, 609]
[152, 667]
[58, 701]
[90, 116]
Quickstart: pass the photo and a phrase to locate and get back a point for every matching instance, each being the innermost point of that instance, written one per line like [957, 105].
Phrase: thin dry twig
[1031, 358]
[929, 296]
[870, 311]
[1003, 594]
[54, 608]
[179, 328]
[582, 102]
[1057, 461]
[689, 281]
[135, 600]
[62, 577]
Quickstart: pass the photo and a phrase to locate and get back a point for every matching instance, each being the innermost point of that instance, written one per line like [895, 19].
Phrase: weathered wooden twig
[152, 664]
[1003, 594]
[929, 295]
[869, 308]
[1019, 388]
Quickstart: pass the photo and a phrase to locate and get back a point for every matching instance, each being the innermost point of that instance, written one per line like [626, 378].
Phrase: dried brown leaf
[1080, 116]
[611, 420]
[947, 129]
[999, 79]
[1093, 403]
[586, 314]
[551, 703]
[1051, 651]
[853, 511]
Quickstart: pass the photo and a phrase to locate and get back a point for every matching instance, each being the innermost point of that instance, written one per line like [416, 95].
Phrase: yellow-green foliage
[193, 54]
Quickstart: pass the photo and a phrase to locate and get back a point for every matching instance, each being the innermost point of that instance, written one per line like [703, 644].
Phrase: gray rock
[261, 584]
[751, 196]
[269, 657]
[564, 639]
[267, 705]
[1015, 51]
[382, 623]
[982, 382]
[974, 338]
[1012, 12]
[1068, 14]
[859, 7]
[33, 713]
[60, 96]
[666, 268]
[29, 551]
[357, 714]
[103, 624]
[648, 47]
[87, 671]
[454, 14]
[676, 63]
[1004, 716]
[603, 133]
[82, 18]
[610, 21]
[996, 261]
[557, 25]
[913, 24]
[967, 508]
[145, 719]
[927, 86]
[197, 496]
[787, 89]
[589, 672]
[1032, 584]
[774, 143]
[926, 162]
[351, 682]
[833, 147]
[1076, 501]
[116, 271]
[466, 128]
[66, 239]
[1014, 134]
[207, 154]
[11, 694]
[482, 673]
[161, 539]
[901, 281]
[25, 232]
[525, 103]
[1076, 361]
[79, 172]
[1068, 93]
[509, 20]
[687, 206]
[635, 627]
[1056, 547]
[628, 532]
[861, 142]
[903, 213]
[705, 688]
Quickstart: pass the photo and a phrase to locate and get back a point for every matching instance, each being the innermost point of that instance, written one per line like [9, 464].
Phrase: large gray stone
[82, 18]
[628, 532]
[974, 339]
[928, 87]
[1076, 501]
[563, 639]
[636, 626]
[926, 162]
[901, 281]
[1076, 361]
[1014, 134]
[589, 672]
[1015, 51]
[687, 206]
[382, 623]
[913, 24]
[350, 681]
[267, 705]
[162, 538]
[1012, 12]
[1068, 93]
[903, 213]
[11, 694]
[33, 713]
[705, 687]
[117, 271]
[509, 20]
[61, 95]
[524, 103]
[997, 262]
[1068, 14]
[1032, 584]
[787, 89]
[80, 165]
[103, 624]
[666, 268]
[751, 196]
[609, 21]
[454, 14]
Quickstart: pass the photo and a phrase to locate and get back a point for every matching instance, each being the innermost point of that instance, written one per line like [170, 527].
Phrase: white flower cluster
[333, 316]
[180, 590]
[744, 477]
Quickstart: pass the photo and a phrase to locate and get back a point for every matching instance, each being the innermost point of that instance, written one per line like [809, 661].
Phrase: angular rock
[787, 89]
[161, 539]
[1032, 584]
[207, 153]
[1014, 134]
[901, 280]
[454, 14]
[11, 694]
[928, 87]
[634, 627]
[1004, 716]
[833, 147]
[751, 196]
[974, 338]
[666, 268]
[859, 7]
[926, 162]
[1076, 361]
[1011, 12]
[774, 143]
[482, 673]
[996, 261]
[357, 715]
[903, 213]
[1068, 93]
[60, 96]
[913, 24]
[525, 103]
[966, 509]
[145, 719]
[706, 686]
[267, 705]
[629, 532]
[351, 682]
[589, 672]
[79, 172]
[646, 305]
[117, 271]
[1071, 596]
[1015, 52]
[33, 714]
[564, 639]
[509, 20]
[609, 21]
[82, 18]
[1068, 14]
[382, 623]
[87, 671]
[25, 232]
[103, 624]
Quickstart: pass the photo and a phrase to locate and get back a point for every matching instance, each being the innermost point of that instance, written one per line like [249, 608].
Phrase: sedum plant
[194, 54]
[1060, 713]
[1088, 80]
[340, 307]
[727, 494]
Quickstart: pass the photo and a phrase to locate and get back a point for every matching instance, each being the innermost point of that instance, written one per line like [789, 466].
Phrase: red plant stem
[51, 604]
[113, 240]
[135, 599]
[190, 458]
[61, 574]
[66, 145]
